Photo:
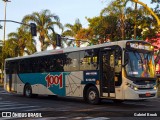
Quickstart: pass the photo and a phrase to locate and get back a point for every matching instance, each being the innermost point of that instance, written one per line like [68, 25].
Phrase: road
[76, 109]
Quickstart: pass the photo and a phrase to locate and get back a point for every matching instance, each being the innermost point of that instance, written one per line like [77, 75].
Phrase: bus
[157, 62]
[121, 70]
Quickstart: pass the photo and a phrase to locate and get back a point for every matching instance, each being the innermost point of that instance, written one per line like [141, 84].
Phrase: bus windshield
[140, 64]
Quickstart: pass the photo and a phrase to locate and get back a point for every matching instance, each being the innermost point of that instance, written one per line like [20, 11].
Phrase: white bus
[122, 70]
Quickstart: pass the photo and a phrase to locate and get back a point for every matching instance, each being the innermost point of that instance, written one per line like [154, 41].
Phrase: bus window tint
[58, 64]
[72, 61]
[88, 60]
[7, 67]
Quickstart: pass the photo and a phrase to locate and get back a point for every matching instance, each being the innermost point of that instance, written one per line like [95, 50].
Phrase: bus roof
[70, 49]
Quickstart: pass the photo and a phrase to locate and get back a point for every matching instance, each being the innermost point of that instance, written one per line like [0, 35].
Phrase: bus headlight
[132, 86]
[135, 88]
[155, 87]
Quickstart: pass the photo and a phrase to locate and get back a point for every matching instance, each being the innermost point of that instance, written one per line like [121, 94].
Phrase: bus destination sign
[139, 45]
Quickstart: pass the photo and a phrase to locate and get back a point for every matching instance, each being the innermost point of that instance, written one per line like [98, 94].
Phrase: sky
[67, 10]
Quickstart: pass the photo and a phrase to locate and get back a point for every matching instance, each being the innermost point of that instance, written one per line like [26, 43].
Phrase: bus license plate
[148, 94]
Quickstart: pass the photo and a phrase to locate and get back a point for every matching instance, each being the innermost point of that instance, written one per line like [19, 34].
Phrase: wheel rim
[92, 95]
[28, 91]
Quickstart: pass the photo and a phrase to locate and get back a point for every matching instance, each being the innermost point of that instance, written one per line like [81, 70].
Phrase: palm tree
[11, 48]
[20, 42]
[44, 23]
[118, 9]
[103, 28]
[73, 30]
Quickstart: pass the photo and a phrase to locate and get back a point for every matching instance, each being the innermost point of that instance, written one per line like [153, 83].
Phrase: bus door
[12, 76]
[107, 73]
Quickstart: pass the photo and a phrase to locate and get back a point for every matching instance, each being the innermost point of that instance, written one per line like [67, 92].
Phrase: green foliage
[117, 21]
[20, 42]
[72, 30]
[45, 22]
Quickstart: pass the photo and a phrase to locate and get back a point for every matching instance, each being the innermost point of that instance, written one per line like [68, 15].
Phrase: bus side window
[71, 61]
[52, 63]
[67, 63]
[7, 68]
[112, 61]
[21, 66]
[88, 60]
[59, 64]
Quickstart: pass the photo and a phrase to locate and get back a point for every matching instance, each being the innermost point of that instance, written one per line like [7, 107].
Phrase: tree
[102, 28]
[53, 38]
[44, 22]
[118, 9]
[149, 9]
[139, 19]
[19, 42]
[72, 30]
[84, 34]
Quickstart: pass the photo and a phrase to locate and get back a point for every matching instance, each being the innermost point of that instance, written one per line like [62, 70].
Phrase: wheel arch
[27, 83]
[86, 88]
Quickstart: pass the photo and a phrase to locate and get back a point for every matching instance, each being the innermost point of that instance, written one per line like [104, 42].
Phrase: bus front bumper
[140, 94]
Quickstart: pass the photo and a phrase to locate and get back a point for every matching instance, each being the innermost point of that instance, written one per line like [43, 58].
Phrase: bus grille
[144, 95]
[145, 88]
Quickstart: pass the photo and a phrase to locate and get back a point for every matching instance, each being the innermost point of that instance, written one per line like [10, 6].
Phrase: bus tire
[92, 95]
[28, 91]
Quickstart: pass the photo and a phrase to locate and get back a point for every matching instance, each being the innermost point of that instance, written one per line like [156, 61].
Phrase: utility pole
[5, 6]
[135, 22]
[2, 67]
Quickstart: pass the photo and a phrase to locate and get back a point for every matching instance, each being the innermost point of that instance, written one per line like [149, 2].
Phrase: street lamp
[5, 5]
[2, 68]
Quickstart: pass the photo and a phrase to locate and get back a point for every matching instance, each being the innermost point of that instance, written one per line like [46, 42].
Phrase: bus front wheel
[92, 95]
[28, 90]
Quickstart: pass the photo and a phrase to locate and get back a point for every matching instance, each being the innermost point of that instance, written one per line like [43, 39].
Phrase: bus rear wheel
[28, 90]
[92, 95]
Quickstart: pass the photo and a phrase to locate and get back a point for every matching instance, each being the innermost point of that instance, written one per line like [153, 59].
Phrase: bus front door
[107, 66]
